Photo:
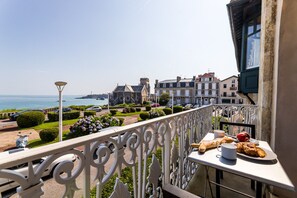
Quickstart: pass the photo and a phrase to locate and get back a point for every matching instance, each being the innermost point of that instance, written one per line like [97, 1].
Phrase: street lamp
[60, 86]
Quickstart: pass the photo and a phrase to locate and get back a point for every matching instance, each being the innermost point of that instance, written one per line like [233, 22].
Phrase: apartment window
[187, 84]
[178, 92]
[233, 94]
[233, 81]
[209, 79]
[225, 94]
[171, 85]
[203, 86]
[217, 86]
[209, 92]
[210, 86]
[225, 85]
[253, 31]
[187, 93]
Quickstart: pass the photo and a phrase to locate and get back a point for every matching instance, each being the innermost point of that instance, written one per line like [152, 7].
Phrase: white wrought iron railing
[133, 144]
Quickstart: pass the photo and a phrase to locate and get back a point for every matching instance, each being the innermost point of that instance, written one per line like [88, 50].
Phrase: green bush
[30, 119]
[121, 121]
[138, 109]
[167, 111]
[177, 109]
[89, 113]
[48, 135]
[126, 110]
[53, 117]
[144, 115]
[156, 113]
[148, 108]
[113, 111]
[132, 110]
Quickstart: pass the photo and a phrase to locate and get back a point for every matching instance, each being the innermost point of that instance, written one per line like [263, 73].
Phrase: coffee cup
[218, 133]
[228, 151]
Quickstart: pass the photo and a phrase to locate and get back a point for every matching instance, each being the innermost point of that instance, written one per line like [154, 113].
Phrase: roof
[229, 78]
[236, 13]
[209, 75]
[129, 88]
[175, 80]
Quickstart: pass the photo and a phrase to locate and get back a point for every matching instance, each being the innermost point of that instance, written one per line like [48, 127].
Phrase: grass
[120, 114]
[48, 125]
[8, 110]
[38, 142]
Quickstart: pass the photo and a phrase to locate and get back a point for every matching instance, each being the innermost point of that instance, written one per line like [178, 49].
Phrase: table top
[268, 172]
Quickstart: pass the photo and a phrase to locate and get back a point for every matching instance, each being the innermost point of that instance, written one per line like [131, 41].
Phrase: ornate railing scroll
[103, 154]
[235, 113]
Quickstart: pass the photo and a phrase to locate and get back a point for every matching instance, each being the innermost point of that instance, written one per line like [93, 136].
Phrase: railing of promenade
[133, 144]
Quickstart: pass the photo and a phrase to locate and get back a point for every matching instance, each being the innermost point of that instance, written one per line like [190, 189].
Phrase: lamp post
[60, 86]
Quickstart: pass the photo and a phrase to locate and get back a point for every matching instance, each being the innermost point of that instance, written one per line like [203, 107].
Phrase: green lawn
[120, 114]
[37, 142]
[48, 125]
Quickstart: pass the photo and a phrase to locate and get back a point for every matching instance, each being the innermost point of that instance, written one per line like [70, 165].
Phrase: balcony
[233, 88]
[133, 146]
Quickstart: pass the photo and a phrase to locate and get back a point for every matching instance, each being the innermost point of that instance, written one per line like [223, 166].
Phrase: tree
[164, 98]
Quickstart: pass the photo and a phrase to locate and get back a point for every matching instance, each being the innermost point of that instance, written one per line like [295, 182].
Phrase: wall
[286, 97]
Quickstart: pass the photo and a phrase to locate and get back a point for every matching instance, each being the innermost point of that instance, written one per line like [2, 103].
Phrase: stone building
[207, 87]
[182, 89]
[130, 93]
[228, 91]
[264, 36]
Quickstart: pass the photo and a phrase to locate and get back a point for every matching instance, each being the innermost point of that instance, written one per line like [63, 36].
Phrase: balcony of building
[134, 146]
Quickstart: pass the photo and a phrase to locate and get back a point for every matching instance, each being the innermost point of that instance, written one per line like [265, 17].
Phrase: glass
[253, 51]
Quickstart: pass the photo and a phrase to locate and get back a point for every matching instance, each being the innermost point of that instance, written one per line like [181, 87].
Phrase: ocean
[42, 102]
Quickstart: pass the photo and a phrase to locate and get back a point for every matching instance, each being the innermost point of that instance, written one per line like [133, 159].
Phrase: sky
[96, 44]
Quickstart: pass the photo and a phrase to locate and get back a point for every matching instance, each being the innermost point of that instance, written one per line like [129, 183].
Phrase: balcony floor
[197, 184]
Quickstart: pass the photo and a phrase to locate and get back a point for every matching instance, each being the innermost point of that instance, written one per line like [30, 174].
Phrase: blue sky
[96, 44]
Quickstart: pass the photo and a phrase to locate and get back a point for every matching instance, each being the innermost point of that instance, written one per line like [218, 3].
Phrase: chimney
[178, 78]
[194, 77]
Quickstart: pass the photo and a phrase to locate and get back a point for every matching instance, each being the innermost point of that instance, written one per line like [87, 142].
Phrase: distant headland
[94, 96]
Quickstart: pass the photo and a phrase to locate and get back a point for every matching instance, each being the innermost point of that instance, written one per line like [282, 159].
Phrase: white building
[207, 88]
[228, 91]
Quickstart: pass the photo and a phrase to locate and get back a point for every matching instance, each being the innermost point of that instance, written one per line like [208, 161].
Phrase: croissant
[204, 144]
[250, 149]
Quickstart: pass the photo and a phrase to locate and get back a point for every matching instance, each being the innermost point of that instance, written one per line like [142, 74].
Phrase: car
[155, 105]
[65, 109]
[189, 106]
[14, 116]
[94, 108]
[7, 184]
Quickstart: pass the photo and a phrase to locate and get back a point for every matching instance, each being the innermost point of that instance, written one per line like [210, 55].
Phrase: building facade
[182, 90]
[207, 87]
[228, 91]
[130, 94]
[274, 23]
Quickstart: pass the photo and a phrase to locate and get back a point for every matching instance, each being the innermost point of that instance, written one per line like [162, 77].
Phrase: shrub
[113, 111]
[167, 111]
[148, 108]
[52, 116]
[48, 135]
[132, 110]
[121, 121]
[30, 118]
[126, 110]
[89, 113]
[177, 109]
[156, 113]
[89, 125]
[138, 109]
[144, 115]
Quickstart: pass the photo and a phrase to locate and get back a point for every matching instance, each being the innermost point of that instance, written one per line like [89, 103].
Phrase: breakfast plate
[269, 156]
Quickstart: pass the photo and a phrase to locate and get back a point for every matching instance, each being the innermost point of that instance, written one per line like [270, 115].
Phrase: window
[252, 36]
[233, 81]
[233, 94]
[187, 84]
[209, 92]
[209, 79]
[187, 93]
[178, 92]
[210, 86]
[225, 85]
[171, 85]
[225, 94]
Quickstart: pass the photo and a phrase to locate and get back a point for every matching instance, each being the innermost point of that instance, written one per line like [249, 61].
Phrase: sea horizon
[43, 101]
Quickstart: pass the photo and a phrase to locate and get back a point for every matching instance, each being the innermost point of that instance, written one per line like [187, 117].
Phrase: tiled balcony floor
[197, 184]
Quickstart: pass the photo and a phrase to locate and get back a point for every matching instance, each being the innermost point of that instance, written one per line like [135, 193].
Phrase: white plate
[269, 156]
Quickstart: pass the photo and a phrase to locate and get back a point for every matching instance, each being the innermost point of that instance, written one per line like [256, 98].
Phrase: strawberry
[243, 137]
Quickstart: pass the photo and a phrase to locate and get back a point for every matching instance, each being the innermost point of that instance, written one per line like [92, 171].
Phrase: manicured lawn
[120, 114]
[8, 110]
[37, 142]
[48, 125]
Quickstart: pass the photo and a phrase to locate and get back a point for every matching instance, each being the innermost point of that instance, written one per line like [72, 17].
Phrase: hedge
[89, 113]
[148, 108]
[52, 117]
[113, 111]
[138, 109]
[30, 119]
[177, 109]
[144, 115]
[48, 135]
[167, 111]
